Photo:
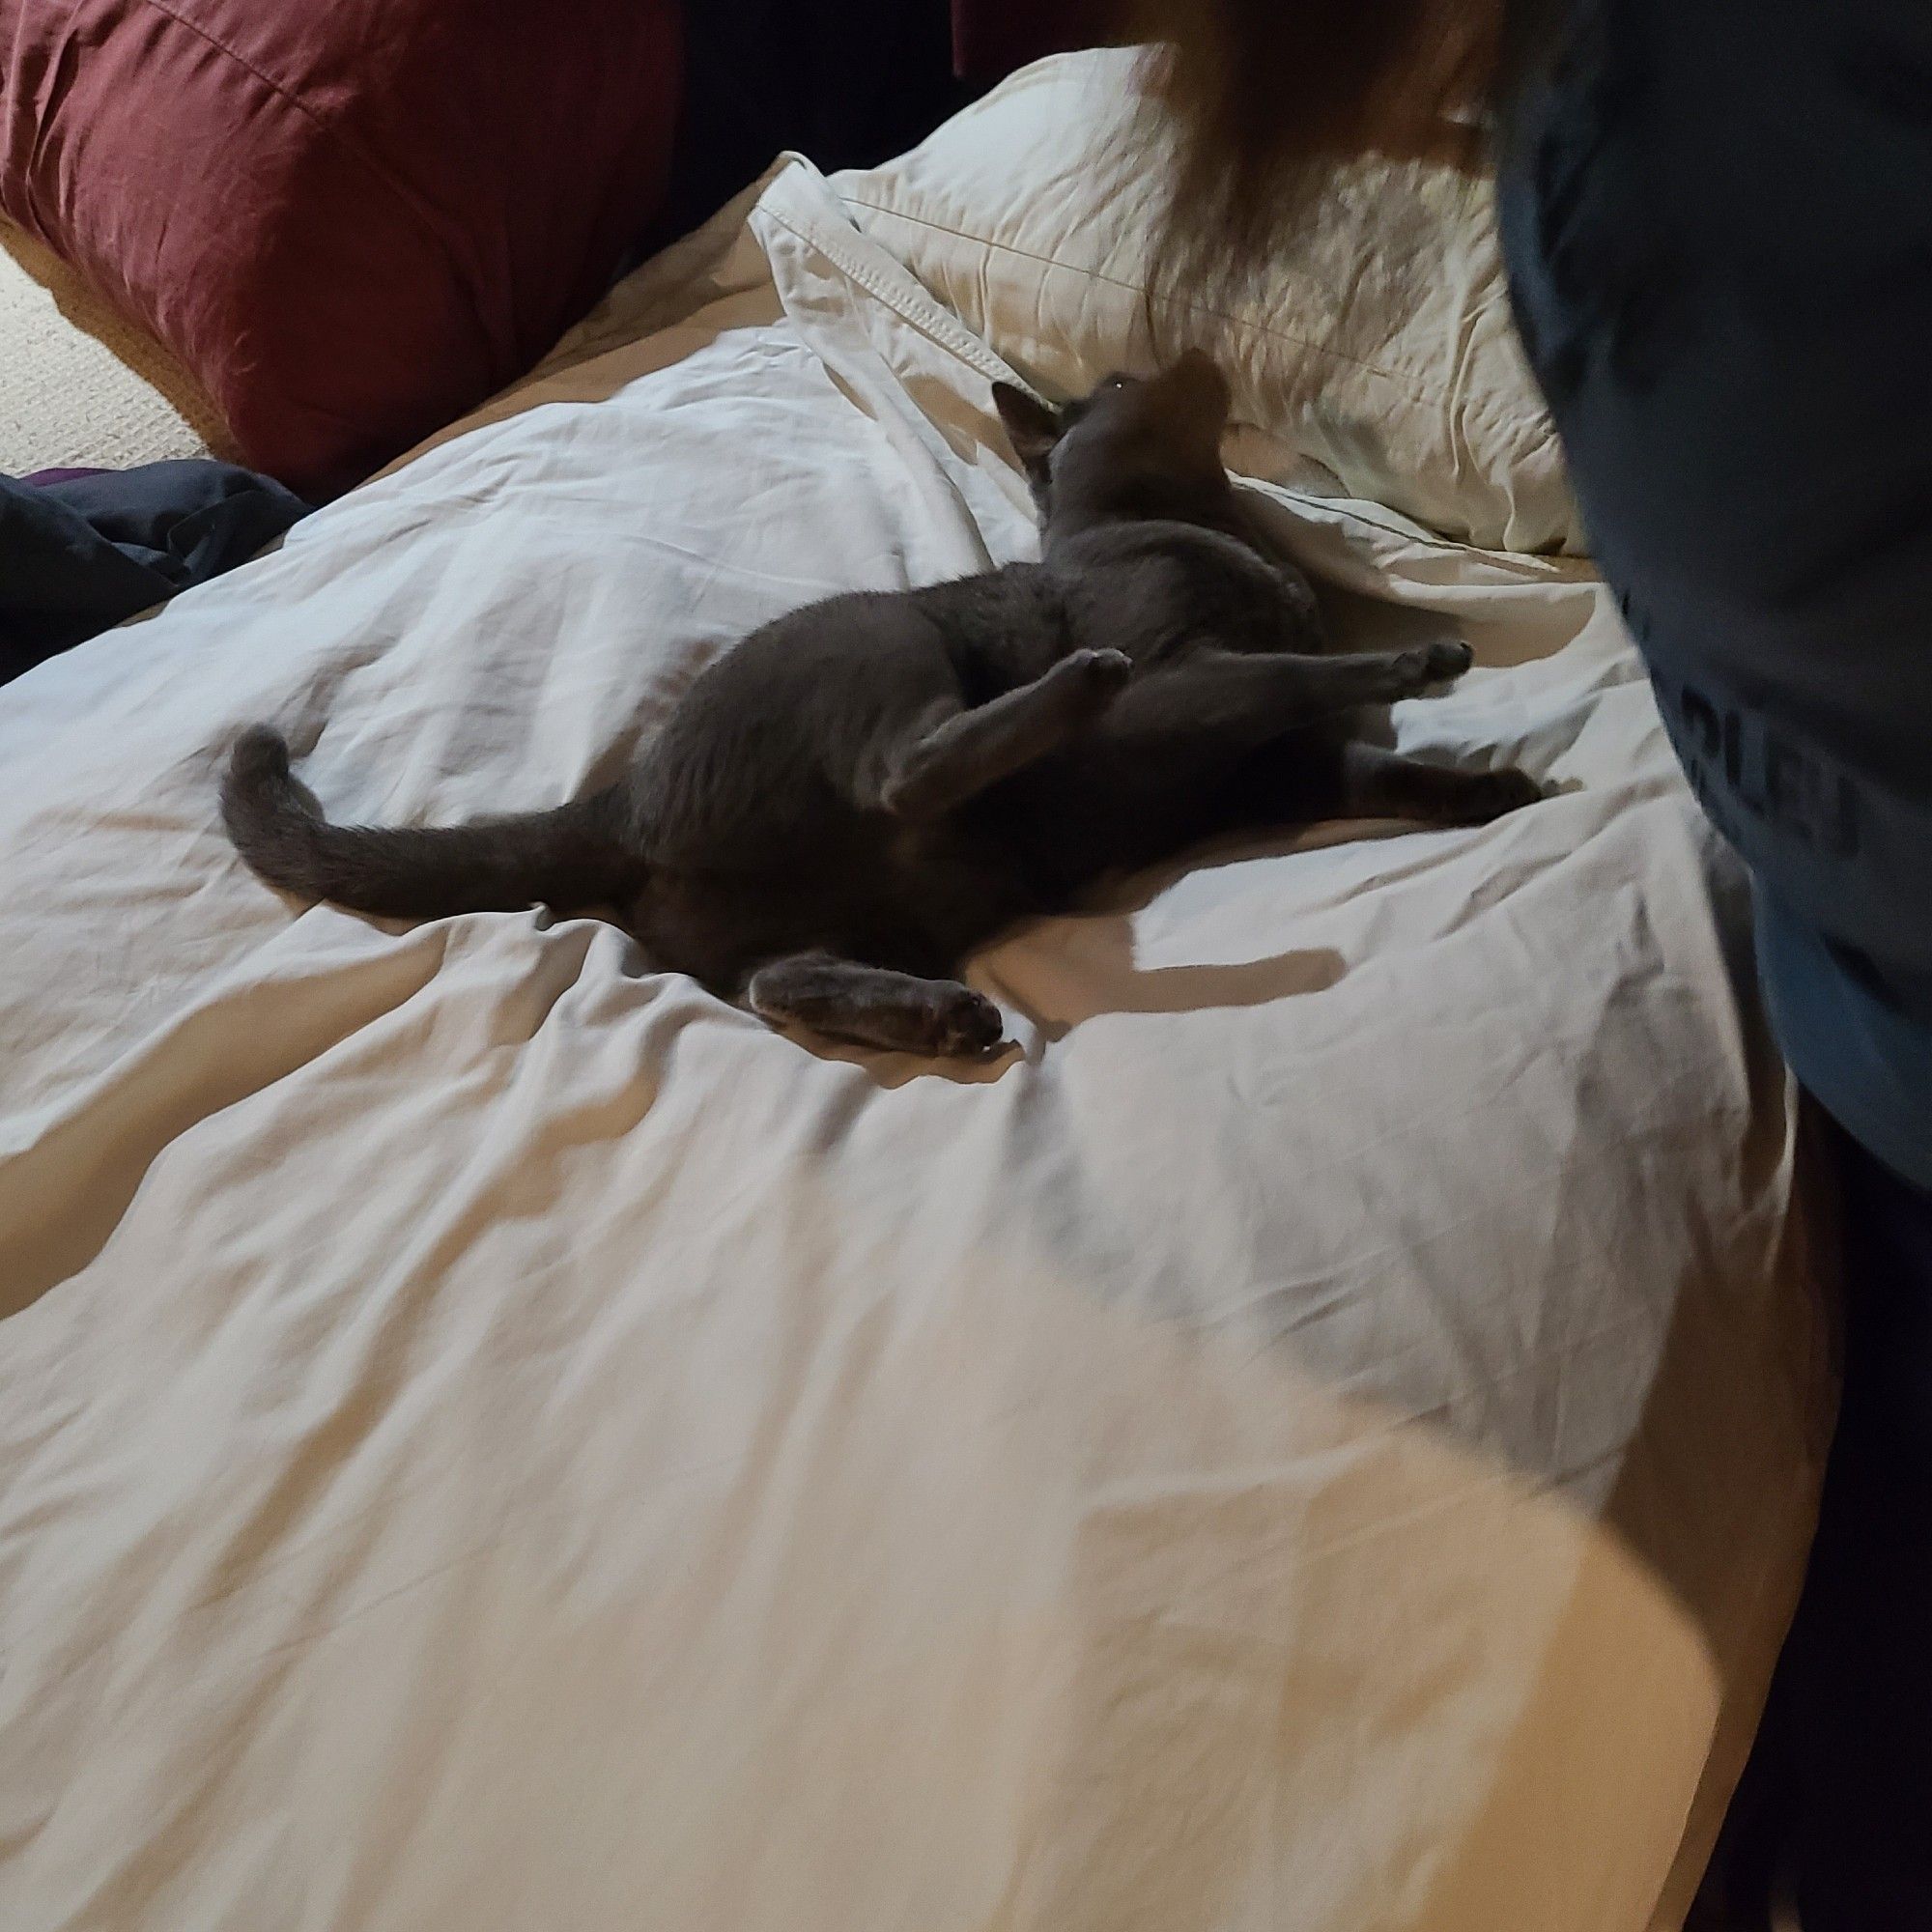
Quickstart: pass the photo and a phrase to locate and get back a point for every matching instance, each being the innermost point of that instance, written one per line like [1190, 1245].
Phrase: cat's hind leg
[962, 756]
[1375, 783]
[871, 1005]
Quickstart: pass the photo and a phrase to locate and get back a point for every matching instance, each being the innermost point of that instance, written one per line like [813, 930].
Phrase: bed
[1322, 1435]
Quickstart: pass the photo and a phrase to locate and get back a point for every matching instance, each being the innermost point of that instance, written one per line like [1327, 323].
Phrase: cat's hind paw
[1491, 795]
[967, 1025]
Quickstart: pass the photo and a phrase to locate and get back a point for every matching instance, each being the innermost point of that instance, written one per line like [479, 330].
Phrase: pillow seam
[392, 185]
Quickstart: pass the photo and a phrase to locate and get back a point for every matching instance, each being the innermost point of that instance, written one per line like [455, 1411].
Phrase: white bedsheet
[1319, 1440]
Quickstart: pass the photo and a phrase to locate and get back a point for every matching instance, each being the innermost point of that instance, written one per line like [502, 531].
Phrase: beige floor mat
[79, 384]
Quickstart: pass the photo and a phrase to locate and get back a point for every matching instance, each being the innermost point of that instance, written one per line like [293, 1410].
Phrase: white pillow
[1382, 348]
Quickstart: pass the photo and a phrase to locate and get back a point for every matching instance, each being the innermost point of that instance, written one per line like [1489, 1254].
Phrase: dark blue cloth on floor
[80, 552]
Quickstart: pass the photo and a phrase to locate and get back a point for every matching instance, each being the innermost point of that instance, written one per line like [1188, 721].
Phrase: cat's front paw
[1101, 672]
[967, 1025]
[1409, 673]
[1442, 662]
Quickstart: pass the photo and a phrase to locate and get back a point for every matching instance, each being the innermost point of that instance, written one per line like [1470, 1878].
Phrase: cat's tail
[571, 857]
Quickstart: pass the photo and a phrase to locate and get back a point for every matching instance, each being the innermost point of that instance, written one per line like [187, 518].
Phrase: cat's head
[1135, 446]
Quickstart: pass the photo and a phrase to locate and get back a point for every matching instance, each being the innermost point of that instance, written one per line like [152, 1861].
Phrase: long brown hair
[1264, 95]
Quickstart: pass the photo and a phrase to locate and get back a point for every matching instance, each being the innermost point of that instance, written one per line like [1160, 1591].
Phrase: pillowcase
[349, 220]
[1382, 346]
[991, 37]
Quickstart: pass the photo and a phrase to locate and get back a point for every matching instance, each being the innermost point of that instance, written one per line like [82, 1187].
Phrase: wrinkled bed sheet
[1322, 1437]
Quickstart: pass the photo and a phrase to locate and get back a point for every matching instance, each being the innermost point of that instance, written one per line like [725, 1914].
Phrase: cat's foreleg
[951, 762]
[1375, 783]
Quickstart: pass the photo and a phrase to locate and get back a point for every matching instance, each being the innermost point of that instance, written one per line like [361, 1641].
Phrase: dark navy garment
[81, 550]
[1718, 218]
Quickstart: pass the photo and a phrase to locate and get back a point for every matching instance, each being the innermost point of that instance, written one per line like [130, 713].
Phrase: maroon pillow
[991, 37]
[351, 219]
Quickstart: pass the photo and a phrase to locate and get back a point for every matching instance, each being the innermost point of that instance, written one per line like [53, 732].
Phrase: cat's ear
[1032, 428]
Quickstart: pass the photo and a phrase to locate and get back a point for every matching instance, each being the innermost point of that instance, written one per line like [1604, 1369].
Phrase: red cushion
[991, 37]
[351, 219]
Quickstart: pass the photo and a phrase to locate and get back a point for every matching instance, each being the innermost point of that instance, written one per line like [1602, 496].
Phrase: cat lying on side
[857, 796]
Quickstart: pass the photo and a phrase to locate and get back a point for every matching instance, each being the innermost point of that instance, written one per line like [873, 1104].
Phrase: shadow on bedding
[1726, 1459]
[1104, 978]
[1092, 973]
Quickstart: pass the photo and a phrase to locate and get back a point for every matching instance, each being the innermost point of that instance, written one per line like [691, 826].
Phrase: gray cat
[846, 805]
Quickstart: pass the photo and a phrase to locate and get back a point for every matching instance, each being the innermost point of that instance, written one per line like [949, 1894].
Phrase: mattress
[1321, 1435]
